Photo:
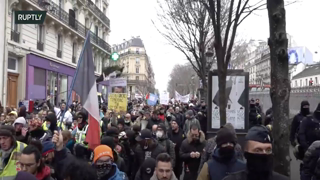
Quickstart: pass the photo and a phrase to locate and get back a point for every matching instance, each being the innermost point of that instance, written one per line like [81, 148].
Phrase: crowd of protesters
[162, 142]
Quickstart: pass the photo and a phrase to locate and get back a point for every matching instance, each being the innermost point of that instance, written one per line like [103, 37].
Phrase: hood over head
[304, 111]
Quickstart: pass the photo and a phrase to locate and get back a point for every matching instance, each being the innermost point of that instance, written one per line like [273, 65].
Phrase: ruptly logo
[29, 17]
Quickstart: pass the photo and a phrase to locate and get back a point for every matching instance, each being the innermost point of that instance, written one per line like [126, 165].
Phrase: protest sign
[117, 102]
[164, 98]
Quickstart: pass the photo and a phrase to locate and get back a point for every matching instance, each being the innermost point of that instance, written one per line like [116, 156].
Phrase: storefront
[47, 78]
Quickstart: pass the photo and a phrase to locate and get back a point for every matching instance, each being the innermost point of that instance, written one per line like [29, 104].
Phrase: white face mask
[159, 134]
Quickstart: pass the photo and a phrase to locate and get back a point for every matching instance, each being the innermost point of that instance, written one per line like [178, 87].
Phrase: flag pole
[74, 77]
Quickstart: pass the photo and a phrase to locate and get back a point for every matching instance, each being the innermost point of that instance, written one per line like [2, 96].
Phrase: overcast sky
[133, 18]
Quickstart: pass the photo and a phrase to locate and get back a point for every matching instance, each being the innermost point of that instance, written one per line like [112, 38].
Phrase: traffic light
[114, 56]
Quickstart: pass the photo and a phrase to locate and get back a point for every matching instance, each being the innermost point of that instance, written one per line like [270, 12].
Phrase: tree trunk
[222, 97]
[280, 85]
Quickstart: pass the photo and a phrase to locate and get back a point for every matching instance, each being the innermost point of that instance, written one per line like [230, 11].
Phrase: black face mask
[305, 111]
[259, 166]
[226, 153]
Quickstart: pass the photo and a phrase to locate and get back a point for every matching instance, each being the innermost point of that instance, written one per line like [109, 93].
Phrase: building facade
[41, 59]
[309, 76]
[138, 68]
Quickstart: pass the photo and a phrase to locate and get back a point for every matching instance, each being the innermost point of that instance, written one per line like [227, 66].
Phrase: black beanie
[147, 168]
[162, 127]
[224, 135]
[8, 131]
[107, 140]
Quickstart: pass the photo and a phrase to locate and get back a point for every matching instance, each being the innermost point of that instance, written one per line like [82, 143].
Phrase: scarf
[5, 155]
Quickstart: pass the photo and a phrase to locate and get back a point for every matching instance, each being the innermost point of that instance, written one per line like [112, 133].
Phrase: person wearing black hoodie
[295, 124]
[131, 135]
[309, 130]
[107, 140]
[176, 135]
[254, 116]
[146, 170]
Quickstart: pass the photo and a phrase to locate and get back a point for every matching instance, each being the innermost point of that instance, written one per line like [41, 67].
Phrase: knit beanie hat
[190, 113]
[102, 151]
[47, 147]
[8, 131]
[20, 120]
[162, 127]
[224, 135]
[147, 168]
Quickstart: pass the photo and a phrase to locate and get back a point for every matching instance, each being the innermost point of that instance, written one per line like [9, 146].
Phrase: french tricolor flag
[84, 84]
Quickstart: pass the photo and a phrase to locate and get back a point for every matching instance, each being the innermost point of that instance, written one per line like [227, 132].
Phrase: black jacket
[140, 155]
[295, 124]
[311, 163]
[242, 175]
[309, 131]
[61, 161]
[191, 165]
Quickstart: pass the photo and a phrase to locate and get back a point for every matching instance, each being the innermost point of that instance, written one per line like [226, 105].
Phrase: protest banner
[117, 102]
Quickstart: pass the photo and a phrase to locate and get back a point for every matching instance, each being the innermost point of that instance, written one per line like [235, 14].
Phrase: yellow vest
[10, 171]
[44, 126]
[101, 123]
[81, 135]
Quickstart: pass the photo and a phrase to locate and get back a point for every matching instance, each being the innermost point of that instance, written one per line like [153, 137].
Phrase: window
[316, 80]
[41, 33]
[137, 70]
[103, 36]
[137, 60]
[94, 62]
[40, 38]
[300, 82]
[104, 10]
[137, 77]
[306, 82]
[96, 30]
[295, 83]
[74, 52]
[61, 4]
[72, 18]
[59, 42]
[76, 13]
[39, 77]
[137, 50]
[12, 64]
[14, 26]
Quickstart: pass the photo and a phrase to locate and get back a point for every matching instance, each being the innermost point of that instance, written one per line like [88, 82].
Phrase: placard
[117, 102]
[164, 98]
[235, 88]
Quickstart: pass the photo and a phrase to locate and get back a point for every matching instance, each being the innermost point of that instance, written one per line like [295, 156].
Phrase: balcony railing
[132, 52]
[98, 12]
[15, 36]
[59, 53]
[40, 46]
[57, 12]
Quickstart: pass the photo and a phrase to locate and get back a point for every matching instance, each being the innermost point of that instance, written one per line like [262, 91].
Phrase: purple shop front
[45, 77]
